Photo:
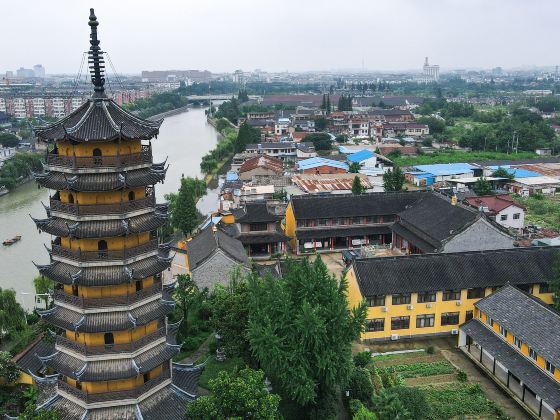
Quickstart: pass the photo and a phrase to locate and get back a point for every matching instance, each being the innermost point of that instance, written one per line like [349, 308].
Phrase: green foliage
[376, 379]
[320, 124]
[301, 330]
[388, 406]
[345, 103]
[414, 370]
[360, 412]
[12, 315]
[390, 377]
[246, 135]
[393, 180]
[8, 140]
[482, 187]
[321, 141]
[182, 205]
[462, 376]
[540, 210]
[357, 187]
[230, 110]
[8, 369]
[548, 104]
[362, 359]
[223, 150]
[396, 153]
[360, 385]
[42, 286]
[503, 173]
[430, 350]
[158, 103]
[354, 168]
[19, 167]
[453, 156]
[242, 96]
[341, 138]
[186, 295]
[436, 125]
[414, 400]
[31, 412]
[222, 124]
[240, 395]
[281, 195]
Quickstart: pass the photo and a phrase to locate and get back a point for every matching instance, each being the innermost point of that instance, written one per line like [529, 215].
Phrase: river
[183, 140]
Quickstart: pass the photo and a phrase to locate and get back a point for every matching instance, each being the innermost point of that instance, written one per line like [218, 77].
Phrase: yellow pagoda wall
[107, 149]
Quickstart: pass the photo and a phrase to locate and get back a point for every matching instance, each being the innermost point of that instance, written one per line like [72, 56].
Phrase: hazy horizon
[222, 36]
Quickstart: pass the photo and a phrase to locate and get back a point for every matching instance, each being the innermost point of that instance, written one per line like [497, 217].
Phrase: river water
[183, 140]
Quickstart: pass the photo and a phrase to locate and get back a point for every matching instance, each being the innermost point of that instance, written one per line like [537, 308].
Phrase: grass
[398, 356]
[213, 367]
[453, 156]
[542, 211]
[415, 370]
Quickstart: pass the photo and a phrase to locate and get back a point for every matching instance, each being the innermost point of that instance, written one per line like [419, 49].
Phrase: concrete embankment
[168, 113]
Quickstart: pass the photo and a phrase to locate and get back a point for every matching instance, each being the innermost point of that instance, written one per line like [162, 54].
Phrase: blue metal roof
[517, 172]
[361, 155]
[345, 150]
[232, 176]
[442, 169]
[319, 161]
[424, 175]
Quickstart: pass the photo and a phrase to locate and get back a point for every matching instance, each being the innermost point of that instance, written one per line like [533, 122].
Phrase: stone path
[201, 351]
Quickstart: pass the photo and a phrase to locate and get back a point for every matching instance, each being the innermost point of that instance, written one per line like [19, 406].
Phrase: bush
[414, 370]
[430, 350]
[390, 377]
[414, 400]
[189, 344]
[360, 411]
[376, 380]
[462, 376]
[360, 384]
[388, 406]
[362, 359]
[213, 346]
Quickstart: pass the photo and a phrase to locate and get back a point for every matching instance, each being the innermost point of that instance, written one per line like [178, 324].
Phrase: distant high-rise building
[39, 71]
[9, 74]
[24, 73]
[431, 72]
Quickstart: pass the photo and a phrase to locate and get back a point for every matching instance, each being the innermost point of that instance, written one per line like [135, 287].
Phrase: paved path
[491, 390]
[201, 351]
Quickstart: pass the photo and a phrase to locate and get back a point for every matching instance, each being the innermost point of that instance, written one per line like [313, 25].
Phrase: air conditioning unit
[458, 303]
[454, 331]
[428, 305]
[394, 337]
[409, 307]
[385, 309]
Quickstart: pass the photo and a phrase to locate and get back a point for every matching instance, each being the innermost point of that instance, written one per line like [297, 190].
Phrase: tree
[482, 187]
[388, 406]
[301, 330]
[320, 124]
[360, 412]
[184, 215]
[31, 413]
[360, 385]
[246, 135]
[328, 104]
[8, 140]
[414, 400]
[324, 103]
[393, 180]
[242, 96]
[12, 315]
[503, 173]
[8, 369]
[357, 187]
[354, 168]
[555, 283]
[42, 287]
[321, 141]
[186, 295]
[362, 359]
[239, 395]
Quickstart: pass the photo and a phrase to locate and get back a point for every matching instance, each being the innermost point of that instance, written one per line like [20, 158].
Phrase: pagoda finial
[95, 59]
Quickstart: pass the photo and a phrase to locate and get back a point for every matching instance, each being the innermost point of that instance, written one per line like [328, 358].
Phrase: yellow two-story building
[432, 294]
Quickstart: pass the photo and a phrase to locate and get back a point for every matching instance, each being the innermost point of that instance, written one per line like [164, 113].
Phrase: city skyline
[326, 36]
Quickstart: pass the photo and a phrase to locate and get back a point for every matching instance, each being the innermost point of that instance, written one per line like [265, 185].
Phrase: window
[257, 227]
[516, 216]
[532, 354]
[109, 339]
[376, 324]
[401, 299]
[322, 222]
[503, 217]
[503, 331]
[400, 323]
[549, 367]
[139, 285]
[71, 198]
[357, 220]
[489, 321]
[342, 221]
[371, 219]
[468, 316]
[450, 318]
[475, 293]
[544, 288]
[97, 157]
[454, 294]
[517, 342]
[426, 297]
[527, 288]
[131, 196]
[423, 321]
[377, 300]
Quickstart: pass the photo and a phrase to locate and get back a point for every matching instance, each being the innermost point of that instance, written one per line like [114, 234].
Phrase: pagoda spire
[95, 59]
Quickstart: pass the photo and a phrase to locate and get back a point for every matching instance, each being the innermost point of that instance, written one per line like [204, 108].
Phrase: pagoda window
[75, 290]
[109, 339]
[131, 196]
[146, 377]
[97, 156]
[78, 385]
[139, 285]
[102, 248]
[71, 198]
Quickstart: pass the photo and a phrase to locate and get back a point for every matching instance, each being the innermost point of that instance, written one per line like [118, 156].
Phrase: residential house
[260, 115]
[395, 129]
[404, 150]
[358, 127]
[365, 158]
[390, 115]
[283, 150]
[534, 185]
[305, 150]
[212, 255]
[434, 224]
[319, 165]
[430, 295]
[423, 175]
[281, 127]
[260, 165]
[329, 184]
[501, 208]
[513, 337]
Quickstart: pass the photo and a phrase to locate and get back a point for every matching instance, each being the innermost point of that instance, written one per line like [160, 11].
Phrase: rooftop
[319, 161]
[263, 161]
[361, 155]
[494, 203]
[443, 169]
[207, 242]
[313, 183]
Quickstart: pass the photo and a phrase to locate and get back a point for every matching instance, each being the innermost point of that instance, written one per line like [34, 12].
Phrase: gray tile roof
[533, 377]
[203, 245]
[186, 377]
[527, 318]
[66, 409]
[169, 403]
[28, 361]
[431, 272]
[255, 212]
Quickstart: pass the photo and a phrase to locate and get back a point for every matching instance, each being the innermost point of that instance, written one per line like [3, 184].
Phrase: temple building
[114, 343]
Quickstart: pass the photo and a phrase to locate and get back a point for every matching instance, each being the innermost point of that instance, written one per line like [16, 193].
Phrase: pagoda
[113, 342]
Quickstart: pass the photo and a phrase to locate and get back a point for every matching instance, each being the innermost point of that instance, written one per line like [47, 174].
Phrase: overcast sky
[294, 35]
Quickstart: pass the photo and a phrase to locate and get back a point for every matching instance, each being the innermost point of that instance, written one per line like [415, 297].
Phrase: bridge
[221, 97]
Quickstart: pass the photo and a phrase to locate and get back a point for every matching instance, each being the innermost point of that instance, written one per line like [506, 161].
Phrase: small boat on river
[12, 241]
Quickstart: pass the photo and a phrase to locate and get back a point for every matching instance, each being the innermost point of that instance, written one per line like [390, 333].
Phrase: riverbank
[169, 113]
[219, 169]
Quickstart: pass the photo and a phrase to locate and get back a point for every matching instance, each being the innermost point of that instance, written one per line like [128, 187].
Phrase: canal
[183, 140]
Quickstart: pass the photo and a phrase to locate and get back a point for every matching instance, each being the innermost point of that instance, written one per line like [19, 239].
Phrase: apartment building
[431, 295]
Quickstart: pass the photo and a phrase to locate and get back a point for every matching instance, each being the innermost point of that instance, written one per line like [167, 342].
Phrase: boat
[12, 241]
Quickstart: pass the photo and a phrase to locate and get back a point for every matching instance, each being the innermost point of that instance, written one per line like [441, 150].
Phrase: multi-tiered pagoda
[114, 345]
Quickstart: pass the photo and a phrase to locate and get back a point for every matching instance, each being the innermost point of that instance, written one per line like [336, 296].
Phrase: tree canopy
[8, 140]
[42, 286]
[12, 315]
[482, 187]
[357, 187]
[321, 141]
[393, 180]
[182, 205]
[8, 369]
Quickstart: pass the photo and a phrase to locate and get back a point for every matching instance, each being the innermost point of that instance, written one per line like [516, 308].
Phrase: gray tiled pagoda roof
[431, 272]
[102, 181]
[101, 228]
[519, 365]
[203, 245]
[99, 120]
[169, 403]
[351, 205]
[28, 359]
[107, 321]
[66, 409]
[111, 369]
[186, 377]
[527, 318]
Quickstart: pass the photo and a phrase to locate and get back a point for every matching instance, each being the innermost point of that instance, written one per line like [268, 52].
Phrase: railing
[86, 303]
[100, 209]
[104, 255]
[114, 395]
[112, 348]
[92, 162]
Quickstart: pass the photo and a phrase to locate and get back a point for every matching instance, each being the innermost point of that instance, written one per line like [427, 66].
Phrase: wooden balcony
[123, 207]
[100, 162]
[104, 255]
[109, 301]
[110, 349]
[114, 395]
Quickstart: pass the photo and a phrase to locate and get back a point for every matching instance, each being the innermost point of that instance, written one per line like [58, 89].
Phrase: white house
[502, 208]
